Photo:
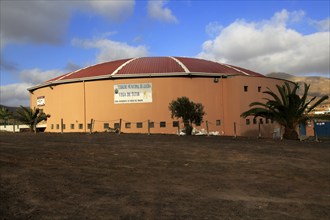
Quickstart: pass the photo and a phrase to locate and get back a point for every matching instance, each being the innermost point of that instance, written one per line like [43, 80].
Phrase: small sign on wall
[41, 101]
[133, 93]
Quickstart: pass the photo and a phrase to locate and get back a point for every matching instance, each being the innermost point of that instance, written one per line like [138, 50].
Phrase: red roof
[142, 66]
[151, 65]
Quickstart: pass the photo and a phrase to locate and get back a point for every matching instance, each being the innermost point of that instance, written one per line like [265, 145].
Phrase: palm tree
[5, 114]
[31, 117]
[288, 109]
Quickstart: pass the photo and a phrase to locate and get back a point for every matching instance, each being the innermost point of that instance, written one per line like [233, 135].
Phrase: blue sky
[42, 39]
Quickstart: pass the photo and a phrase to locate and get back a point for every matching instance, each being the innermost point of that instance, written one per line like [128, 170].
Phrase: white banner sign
[41, 101]
[133, 93]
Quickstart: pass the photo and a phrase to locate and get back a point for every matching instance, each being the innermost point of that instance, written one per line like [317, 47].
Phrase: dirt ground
[132, 176]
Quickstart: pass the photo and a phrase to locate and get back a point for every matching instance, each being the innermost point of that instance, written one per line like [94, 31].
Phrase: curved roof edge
[141, 67]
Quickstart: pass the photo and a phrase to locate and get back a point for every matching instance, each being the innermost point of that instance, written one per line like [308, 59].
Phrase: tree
[31, 117]
[190, 112]
[288, 109]
[5, 114]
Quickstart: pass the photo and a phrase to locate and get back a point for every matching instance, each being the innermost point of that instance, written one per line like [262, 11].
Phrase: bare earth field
[131, 176]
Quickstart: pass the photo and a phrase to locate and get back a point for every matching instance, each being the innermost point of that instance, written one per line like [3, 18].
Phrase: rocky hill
[319, 86]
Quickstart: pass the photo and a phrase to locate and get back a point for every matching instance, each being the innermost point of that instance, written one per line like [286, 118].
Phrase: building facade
[135, 94]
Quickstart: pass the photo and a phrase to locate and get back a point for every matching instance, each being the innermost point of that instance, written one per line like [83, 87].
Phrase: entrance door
[302, 129]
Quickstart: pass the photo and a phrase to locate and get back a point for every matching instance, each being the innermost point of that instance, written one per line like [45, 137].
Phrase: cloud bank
[16, 94]
[271, 46]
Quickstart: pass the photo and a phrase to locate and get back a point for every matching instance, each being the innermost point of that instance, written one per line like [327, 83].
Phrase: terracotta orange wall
[101, 107]
[78, 103]
[61, 102]
[236, 101]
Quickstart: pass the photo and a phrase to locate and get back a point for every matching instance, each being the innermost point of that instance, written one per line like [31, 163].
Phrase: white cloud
[37, 76]
[213, 28]
[16, 94]
[111, 50]
[270, 46]
[158, 11]
[323, 25]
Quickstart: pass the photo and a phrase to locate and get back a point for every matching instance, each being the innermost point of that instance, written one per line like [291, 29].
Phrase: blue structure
[322, 128]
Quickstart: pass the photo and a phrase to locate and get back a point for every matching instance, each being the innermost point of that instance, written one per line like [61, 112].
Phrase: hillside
[11, 109]
[319, 86]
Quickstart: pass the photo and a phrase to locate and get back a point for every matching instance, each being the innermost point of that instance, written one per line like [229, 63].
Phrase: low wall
[12, 128]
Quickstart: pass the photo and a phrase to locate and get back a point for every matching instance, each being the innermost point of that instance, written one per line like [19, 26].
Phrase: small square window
[175, 124]
[162, 124]
[116, 125]
[81, 126]
[247, 121]
[57, 126]
[151, 124]
[128, 125]
[245, 88]
[89, 126]
[254, 121]
[259, 88]
[72, 126]
[52, 126]
[218, 122]
[106, 125]
[139, 125]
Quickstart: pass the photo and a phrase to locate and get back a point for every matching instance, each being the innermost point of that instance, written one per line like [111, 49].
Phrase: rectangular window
[254, 121]
[259, 88]
[106, 125]
[162, 124]
[57, 126]
[89, 126]
[116, 125]
[80, 126]
[139, 124]
[52, 126]
[175, 124]
[72, 126]
[151, 124]
[245, 88]
[218, 122]
[247, 121]
[128, 125]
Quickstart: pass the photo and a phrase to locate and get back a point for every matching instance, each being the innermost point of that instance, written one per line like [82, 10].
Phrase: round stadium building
[134, 95]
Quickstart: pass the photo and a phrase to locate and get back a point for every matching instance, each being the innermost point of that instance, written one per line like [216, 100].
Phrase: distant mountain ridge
[319, 85]
[11, 109]
[280, 75]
